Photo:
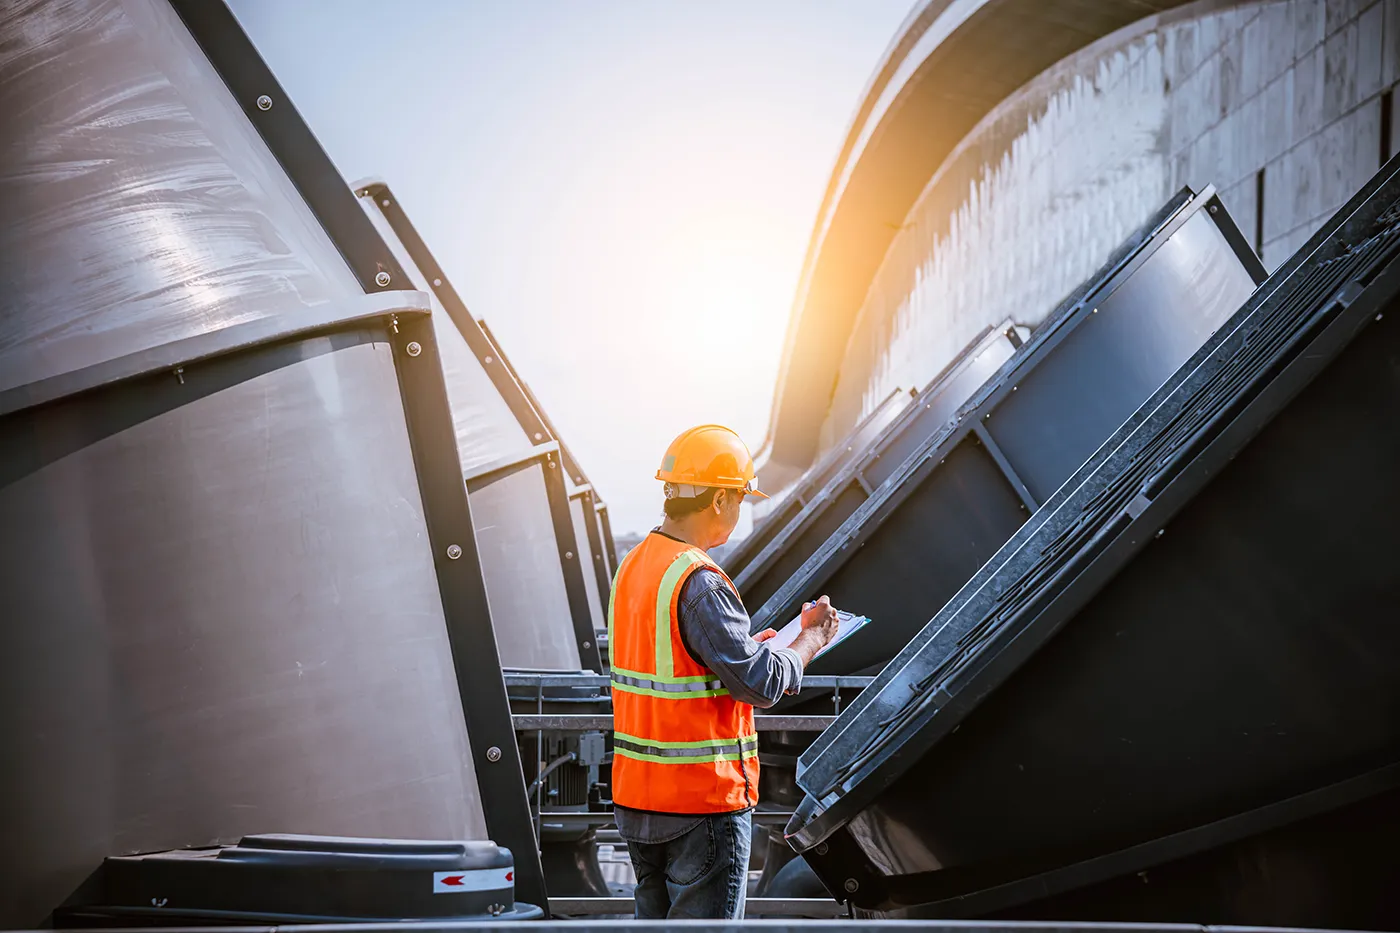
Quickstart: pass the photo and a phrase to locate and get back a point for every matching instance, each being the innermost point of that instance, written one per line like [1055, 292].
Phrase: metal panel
[206, 635]
[814, 481]
[1235, 537]
[900, 590]
[1137, 336]
[581, 507]
[806, 527]
[520, 559]
[117, 175]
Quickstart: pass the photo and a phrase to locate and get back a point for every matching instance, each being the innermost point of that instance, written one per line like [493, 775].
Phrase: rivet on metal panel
[539, 436]
[553, 465]
[1161, 531]
[488, 359]
[385, 202]
[1215, 208]
[414, 348]
[454, 551]
[264, 102]
[987, 416]
[382, 279]
[822, 848]
[437, 282]
[588, 644]
[851, 885]
[493, 754]
[1014, 388]
[568, 555]
[180, 374]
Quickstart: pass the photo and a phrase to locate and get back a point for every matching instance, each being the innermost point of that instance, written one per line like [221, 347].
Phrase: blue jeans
[701, 873]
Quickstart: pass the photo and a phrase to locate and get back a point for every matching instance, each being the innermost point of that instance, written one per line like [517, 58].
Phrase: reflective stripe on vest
[685, 752]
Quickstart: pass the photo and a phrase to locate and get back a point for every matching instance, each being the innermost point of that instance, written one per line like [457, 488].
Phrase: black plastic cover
[1191, 641]
[302, 879]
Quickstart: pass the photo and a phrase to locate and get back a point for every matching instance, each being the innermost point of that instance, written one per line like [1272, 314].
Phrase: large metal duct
[842, 491]
[813, 482]
[240, 591]
[540, 604]
[1174, 691]
[953, 502]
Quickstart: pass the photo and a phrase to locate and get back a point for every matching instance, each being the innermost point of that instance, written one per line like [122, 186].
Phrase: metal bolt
[553, 465]
[822, 848]
[264, 102]
[382, 279]
[851, 886]
[414, 348]
[493, 754]
[1215, 208]
[454, 551]
[437, 282]
[180, 374]
[568, 555]
[1161, 531]
[488, 359]
[588, 644]
[539, 436]
[385, 202]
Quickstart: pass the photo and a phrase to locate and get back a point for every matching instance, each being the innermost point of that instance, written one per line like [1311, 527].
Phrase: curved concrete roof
[952, 63]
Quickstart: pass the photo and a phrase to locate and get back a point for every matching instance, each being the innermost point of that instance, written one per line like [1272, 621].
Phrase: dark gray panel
[921, 554]
[1137, 337]
[936, 408]
[835, 507]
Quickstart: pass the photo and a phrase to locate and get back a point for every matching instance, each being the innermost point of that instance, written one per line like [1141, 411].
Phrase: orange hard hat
[710, 455]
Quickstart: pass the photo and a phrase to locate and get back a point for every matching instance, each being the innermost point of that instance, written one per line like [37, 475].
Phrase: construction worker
[686, 676]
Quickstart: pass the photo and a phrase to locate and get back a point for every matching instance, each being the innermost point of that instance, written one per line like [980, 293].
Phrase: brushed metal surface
[140, 205]
[524, 579]
[221, 617]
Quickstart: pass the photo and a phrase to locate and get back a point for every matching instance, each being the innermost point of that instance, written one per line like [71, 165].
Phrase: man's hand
[765, 635]
[819, 624]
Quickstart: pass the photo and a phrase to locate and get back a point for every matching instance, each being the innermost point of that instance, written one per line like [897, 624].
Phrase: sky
[622, 189]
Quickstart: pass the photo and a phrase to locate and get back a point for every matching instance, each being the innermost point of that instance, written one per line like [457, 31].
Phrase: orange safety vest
[681, 743]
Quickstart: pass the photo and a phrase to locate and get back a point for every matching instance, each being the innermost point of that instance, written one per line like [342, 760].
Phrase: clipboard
[847, 624]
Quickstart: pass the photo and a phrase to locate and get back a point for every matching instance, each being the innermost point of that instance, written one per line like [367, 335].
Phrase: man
[686, 676]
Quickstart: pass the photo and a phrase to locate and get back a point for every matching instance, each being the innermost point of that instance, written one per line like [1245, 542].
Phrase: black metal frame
[447, 512]
[563, 525]
[516, 392]
[845, 770]
[814, 505]
[842, 545]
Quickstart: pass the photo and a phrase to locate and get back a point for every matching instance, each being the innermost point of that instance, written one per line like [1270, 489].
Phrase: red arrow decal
[454, 880]
[510, 876]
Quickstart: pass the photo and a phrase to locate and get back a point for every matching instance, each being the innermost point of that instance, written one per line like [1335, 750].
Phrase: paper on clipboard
[847, 624]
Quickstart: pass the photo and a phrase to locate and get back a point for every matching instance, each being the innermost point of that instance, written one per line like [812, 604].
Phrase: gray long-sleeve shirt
[714, 629]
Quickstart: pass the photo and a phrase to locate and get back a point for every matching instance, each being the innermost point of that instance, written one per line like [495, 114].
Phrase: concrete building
[1005, 147]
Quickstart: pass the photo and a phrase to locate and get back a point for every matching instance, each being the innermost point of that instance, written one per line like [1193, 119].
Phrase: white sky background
[622, 189]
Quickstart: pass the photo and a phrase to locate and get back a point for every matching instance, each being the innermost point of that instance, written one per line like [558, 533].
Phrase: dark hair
[680, 508]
